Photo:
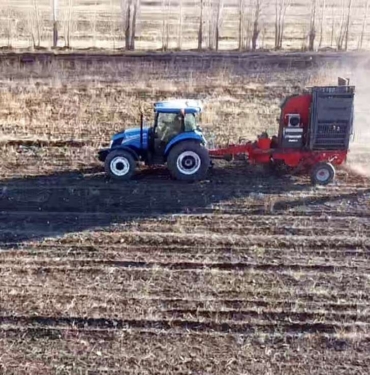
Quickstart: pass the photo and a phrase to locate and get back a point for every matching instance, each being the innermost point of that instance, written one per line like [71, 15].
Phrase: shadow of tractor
[61, 203]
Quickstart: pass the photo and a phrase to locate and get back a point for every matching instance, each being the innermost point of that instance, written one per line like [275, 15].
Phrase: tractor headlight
[111, 143]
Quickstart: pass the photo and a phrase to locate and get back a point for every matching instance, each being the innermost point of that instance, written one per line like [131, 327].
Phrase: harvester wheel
[322, 174]
[188, 161]
[120, 165]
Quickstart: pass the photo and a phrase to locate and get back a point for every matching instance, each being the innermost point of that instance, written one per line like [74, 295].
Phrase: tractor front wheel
[188, 161]
[120, 165]
[322, 174]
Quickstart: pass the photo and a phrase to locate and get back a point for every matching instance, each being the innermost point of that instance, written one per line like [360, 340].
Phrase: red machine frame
[266, 150]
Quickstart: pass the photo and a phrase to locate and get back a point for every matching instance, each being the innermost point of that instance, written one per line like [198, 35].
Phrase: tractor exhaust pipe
[141, 128]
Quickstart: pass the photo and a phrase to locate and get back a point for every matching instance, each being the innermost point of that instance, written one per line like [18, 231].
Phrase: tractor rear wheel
[322, 174]
[188, 161]
[120, 165]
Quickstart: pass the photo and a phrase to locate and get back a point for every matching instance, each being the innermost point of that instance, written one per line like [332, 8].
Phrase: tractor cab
[175, 132]
[174, 120]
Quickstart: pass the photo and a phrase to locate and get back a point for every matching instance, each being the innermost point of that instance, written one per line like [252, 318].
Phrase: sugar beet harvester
[314, 133]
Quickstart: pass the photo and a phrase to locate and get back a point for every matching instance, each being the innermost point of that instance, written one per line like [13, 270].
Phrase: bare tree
[11, 23]
[68, 24]
[322, 18]
[220, 6]
[245, 22]
[215, 9]
[257, 13]
[179, 39]
[55, 23]
[312, 31]
[36, 25]
[210, 15]
[344, 25]
[126, 17]
[333, 25]
[166, 5]
[364, 24]
[129, 9]
[133, 24]
[94, 22]
[241, 23]
[200, 31]
[341, 26]
[281, 7]
[348, 22]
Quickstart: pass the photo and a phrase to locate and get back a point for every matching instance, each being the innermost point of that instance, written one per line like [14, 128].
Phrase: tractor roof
[175, 106]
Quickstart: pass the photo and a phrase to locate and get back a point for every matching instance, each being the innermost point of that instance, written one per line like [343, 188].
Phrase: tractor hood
[130, 133]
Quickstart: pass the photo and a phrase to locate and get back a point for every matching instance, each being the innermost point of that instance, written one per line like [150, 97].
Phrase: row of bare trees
[251, 23]
[253, 17]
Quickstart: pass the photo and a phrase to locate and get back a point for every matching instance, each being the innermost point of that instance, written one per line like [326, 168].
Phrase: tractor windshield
[172, 120]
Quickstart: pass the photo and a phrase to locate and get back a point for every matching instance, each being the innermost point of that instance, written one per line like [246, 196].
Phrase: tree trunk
[37, 43]
[323, 7]
[68, 26]
[281, 7]
[312, 32]
[200, 32]
[168, 24]
[364, 24]
[55, 23]
[241, 17]
[133, 26]
[210, 20]
[218, 23]
[164, 47]
[348, 24]
[128, 25]
[277, 29]
[341, 35]
[256, 23]
[179, 39]
[255, 35]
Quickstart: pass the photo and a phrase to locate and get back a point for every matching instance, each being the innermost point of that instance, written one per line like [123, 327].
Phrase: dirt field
[244, 273]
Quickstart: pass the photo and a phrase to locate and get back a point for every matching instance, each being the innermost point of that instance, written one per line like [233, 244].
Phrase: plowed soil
[243, 273]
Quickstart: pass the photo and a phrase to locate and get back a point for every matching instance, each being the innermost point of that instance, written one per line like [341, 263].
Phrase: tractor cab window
[168, 126]
[191, 122]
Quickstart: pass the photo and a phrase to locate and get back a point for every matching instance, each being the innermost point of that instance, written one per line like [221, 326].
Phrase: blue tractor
[175, 139]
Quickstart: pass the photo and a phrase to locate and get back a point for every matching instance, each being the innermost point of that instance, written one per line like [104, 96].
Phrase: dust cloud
[359, 155]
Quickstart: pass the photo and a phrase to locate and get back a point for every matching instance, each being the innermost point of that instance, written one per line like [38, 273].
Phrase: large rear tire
[322, 174]
[188, 161]
[120, 165]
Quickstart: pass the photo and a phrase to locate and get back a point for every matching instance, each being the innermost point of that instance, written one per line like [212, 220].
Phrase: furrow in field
[178, 324]
[86, 265]
[204, 282]
[110, 308]
[255, 296]
[236, 258]
[228, 263]
[303, 301]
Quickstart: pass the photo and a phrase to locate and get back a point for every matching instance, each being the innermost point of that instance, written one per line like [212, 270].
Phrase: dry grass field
[244, 273]
[100, 23]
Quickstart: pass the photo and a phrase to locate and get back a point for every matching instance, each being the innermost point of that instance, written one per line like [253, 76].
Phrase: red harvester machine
[314, 133]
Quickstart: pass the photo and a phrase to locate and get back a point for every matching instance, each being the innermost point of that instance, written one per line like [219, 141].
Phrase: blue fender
[103, 153]
[188, 136]
[130, 150]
